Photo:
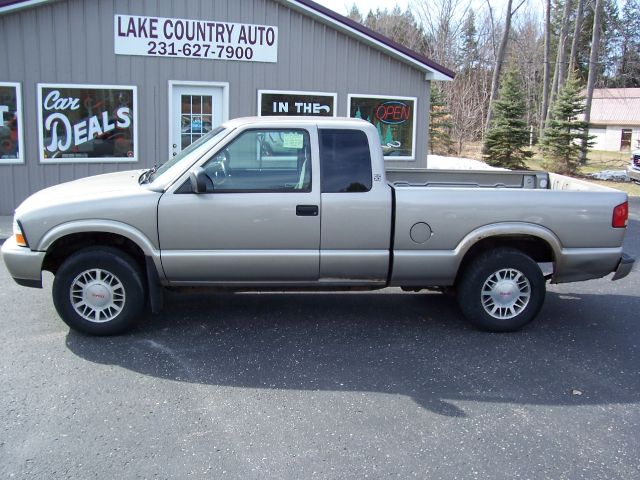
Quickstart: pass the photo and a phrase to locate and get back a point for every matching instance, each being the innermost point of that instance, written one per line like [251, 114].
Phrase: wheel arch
[63, 240]
[539, 243]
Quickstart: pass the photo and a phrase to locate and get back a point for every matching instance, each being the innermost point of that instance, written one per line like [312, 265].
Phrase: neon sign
[393, 112]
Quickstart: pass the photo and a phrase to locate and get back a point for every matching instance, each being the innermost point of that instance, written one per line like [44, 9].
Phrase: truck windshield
[218, 131]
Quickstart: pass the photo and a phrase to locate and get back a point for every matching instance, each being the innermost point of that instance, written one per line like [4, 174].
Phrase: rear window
[345, 161]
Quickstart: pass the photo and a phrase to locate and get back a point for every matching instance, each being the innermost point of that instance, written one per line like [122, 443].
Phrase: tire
[99, 291]
[501, 290]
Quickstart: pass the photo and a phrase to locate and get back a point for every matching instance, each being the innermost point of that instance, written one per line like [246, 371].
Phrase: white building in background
[615, 119]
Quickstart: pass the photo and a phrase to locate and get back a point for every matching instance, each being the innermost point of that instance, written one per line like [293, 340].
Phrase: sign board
[204, 39]
[11, 132]
[289, 103]
[395, 119]
[87, 123]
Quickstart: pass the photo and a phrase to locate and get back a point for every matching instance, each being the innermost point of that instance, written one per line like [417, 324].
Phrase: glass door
[195, 110]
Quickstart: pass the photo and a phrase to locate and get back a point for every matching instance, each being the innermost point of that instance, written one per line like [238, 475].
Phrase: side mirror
[200, 181]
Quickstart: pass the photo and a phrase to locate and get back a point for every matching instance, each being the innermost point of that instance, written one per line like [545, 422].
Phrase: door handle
[307, 210]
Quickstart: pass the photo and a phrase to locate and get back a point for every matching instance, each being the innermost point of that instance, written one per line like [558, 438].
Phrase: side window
[345, 161]
[263, 161]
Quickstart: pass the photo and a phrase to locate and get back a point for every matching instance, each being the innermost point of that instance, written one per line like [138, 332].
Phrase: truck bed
[420, 177]
[414, 177]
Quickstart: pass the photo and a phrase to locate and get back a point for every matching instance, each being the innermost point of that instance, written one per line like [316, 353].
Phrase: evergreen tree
[440, 125]
[628, 69]
[506, 141]
[565, 135]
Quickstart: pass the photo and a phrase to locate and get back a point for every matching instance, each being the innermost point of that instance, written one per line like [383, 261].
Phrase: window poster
[394, 118]
[11, 133]
[87, 123]
[281, 102]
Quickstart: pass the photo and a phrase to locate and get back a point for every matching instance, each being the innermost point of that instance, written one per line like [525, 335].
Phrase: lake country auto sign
[204, 39]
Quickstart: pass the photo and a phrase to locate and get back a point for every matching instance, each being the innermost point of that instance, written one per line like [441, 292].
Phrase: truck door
[261, 222]
[356, 210]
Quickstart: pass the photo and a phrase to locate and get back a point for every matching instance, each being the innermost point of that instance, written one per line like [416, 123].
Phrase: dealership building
[95, 86]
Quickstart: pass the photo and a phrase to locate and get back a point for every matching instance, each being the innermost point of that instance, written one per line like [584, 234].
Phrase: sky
[343, 6]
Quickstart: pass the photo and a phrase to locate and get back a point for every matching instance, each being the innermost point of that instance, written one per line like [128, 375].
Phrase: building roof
[432, 70]
[616, 106]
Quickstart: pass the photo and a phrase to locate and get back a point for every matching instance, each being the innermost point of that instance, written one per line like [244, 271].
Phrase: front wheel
[99, 291]
[501, 290]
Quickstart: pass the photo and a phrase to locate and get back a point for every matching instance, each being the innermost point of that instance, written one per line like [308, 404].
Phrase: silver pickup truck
[305, 203]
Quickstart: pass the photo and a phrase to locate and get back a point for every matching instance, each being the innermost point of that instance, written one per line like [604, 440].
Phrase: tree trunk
[554, 86]
[495, 79]
[547, 66]
[593, 72]
[562, 46]
[573, 60]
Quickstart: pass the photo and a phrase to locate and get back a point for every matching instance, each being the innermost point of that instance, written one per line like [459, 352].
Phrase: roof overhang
[7, 6]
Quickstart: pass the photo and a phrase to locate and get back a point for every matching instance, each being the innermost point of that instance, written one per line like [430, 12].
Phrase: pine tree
[440, 124]
[565, 135]
[508, 137]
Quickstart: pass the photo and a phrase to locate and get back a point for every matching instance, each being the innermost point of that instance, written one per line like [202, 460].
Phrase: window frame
[398, 158]
[87, 160]
[322, 168]
[262, 190]
[21, 156]
[332, 95]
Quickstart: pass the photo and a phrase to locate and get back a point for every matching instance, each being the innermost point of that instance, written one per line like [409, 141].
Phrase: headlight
[18, 234]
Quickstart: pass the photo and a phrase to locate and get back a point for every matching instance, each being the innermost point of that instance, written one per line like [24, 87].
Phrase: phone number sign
[176, 37]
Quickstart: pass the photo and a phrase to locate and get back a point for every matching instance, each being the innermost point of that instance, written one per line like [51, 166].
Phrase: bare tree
[573, 58]
[546, 75]
[502, 50]
[559, 72]
[593, 71]
[527, 56]
[442, 21]
[562, 46]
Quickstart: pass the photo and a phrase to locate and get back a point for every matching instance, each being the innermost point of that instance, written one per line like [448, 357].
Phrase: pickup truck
[305, 203]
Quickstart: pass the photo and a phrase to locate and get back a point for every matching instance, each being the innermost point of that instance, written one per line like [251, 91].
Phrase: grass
[597, 161]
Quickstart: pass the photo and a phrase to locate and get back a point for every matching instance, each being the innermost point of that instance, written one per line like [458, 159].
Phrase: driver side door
[259, 224]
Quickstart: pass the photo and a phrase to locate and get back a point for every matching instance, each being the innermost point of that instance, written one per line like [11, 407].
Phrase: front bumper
[24, 265]
[624, 267]
[633, 174]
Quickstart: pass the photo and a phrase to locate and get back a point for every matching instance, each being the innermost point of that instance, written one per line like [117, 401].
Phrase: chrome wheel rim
[97, 295]
[506, 293]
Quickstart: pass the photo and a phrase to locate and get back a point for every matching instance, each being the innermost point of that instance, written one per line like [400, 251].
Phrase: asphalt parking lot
[365, 385]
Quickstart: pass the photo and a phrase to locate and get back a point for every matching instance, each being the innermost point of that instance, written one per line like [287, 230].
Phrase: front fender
[107, 226]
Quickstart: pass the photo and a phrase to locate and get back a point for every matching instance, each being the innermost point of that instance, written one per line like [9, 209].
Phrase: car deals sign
[87, 123]
[204, 39]
[395, 120]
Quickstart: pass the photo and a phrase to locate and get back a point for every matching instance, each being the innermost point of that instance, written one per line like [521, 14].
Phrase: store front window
[87, 123]
[11, 143]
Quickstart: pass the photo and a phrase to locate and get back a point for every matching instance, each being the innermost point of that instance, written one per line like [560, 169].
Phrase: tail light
[620, 215]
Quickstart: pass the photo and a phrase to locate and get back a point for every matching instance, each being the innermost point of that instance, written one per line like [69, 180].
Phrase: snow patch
[439, 162]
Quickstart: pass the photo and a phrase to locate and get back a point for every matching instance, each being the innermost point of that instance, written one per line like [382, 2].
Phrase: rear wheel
[501, 290]
[99, 291]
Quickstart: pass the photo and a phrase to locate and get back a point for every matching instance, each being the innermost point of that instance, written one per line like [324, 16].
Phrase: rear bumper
[579, 264]
[24, 265]
[624, 267]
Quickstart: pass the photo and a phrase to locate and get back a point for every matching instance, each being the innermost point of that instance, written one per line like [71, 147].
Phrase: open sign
[394, 118]
[393, 112]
